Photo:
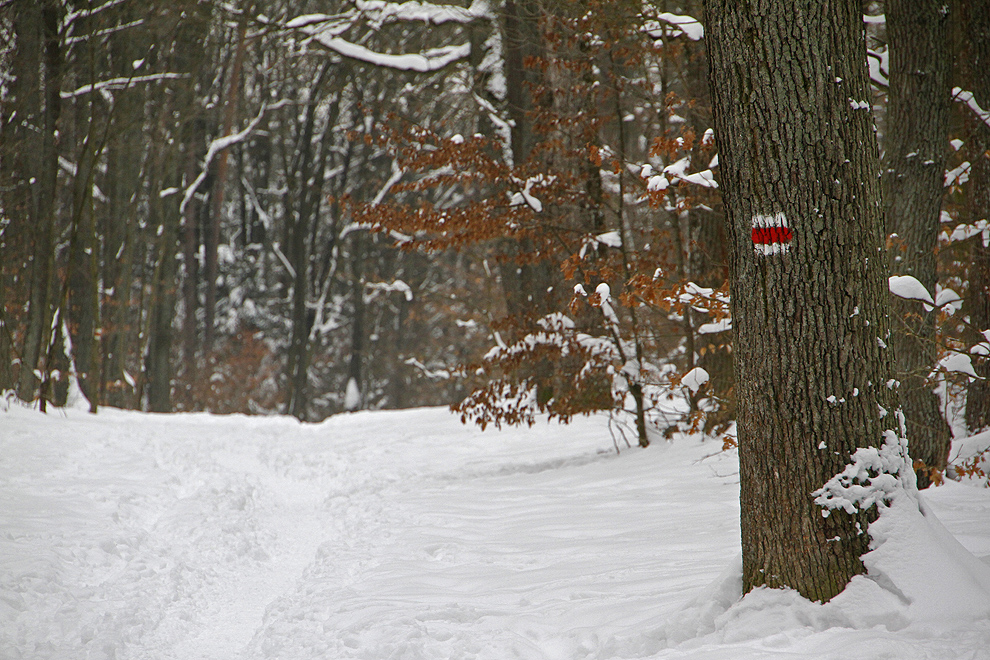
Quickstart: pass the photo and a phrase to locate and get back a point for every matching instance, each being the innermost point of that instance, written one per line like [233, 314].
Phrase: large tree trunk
[797, 146]
[916, 139]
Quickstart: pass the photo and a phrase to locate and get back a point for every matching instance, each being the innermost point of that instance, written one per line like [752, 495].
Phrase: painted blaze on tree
[799, 174]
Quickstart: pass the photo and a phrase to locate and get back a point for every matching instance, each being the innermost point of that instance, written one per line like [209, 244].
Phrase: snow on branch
[218, 145]
[427, 61]
[959, 363]
[89, 12]
[326, 30]
[872, 479]
[909, 288]
[105, 32]
[963, 96]
[381, 12]
[398, 286]
[121, 83]
[879, 63]
[677, 172]
[675, 26]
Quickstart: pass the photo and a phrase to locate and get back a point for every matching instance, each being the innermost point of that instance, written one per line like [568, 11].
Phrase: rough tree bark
[800, 167]
[38, 26]
[916, 139]
[974, 76]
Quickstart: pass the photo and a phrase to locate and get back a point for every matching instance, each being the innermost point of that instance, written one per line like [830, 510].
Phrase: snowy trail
[147, 536]
[408, 535]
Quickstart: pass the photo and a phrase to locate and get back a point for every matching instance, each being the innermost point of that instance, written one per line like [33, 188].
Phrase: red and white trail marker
[771, 235]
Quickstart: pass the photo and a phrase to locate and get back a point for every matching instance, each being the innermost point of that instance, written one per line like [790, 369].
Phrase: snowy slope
[408, 535]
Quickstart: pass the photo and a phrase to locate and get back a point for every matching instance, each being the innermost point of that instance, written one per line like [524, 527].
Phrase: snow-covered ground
[407, 535]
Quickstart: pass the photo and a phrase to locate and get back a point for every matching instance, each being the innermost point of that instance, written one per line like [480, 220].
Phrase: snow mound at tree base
[923, 596]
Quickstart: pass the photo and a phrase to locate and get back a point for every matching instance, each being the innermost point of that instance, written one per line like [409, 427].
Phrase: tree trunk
[83, 270]
[118, 258]
[165, 215]
[42, 178]
[974, 26]
[358, 330]
[190, 260]
[6, 342]
[212, 242]
[800, 182]
[522, 42]
[916, 139]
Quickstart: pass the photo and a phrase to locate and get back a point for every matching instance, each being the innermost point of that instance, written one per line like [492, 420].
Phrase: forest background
[309, 207]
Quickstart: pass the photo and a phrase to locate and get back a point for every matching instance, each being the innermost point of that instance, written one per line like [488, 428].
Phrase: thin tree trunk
[358, 331]
[6, 340]
[797, 146]
[83, 270]
[190, 261]
[45, 173]
[158, 366]
[301, 206]
[212, 242]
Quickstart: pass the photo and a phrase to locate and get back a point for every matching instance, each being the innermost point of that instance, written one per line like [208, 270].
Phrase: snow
[604, 297]
[908, 287]
[721, 325]
[352, 395]
[387, 12]
[964, 231]
[610, 238]
[958, 175]
[695, 379]
[967, 97]
[120, 83]
[657, 182]
[687, 25]
[983, 347]
[432, 59]
[879, 63]
[526, 197]
[959, 363]
[874, 477]
[678, 171]
[407, 535]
